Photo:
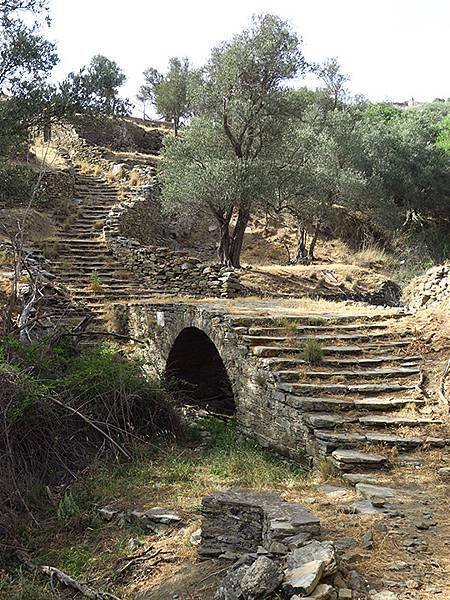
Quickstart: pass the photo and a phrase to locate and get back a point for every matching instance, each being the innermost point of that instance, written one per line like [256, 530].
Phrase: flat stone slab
[324, 421]
[386, 403]
[314, 550]
[386, 421]
[370, 491]
[354, 457]
[303, 580]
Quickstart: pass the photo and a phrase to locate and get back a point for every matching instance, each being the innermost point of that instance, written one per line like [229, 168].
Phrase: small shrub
[312, 352]
[67, 508]
[134, 178]
[95, 281]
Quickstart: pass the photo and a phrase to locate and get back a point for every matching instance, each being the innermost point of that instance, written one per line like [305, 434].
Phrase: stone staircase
[80, 257]
[362, 406]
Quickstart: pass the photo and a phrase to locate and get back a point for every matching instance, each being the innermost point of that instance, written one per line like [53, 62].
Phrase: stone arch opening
[202, 380]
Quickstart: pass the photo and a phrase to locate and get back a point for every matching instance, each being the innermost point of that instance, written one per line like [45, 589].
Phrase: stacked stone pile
[238, 520]
[430, 289]
[240, 525]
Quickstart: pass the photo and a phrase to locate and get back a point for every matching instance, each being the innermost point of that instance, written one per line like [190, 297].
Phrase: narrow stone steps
[258, 340]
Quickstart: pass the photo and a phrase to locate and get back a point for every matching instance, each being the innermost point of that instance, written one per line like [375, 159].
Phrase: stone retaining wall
[430, 289]
[170, 271]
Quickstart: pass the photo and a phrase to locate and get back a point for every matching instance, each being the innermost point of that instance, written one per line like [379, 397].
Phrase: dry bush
[96, 399]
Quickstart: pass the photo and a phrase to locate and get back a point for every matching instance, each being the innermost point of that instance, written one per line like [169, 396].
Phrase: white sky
[392, 49]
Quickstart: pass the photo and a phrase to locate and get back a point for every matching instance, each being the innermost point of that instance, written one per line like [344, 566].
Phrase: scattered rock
[196, 537]
[322, 592]
[314, 551]
[357, 582]
[261, 579]
[303, 580]
[230, 586]
[345, 594]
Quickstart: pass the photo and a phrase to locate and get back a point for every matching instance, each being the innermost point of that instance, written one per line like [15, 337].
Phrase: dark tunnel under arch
[198, 369]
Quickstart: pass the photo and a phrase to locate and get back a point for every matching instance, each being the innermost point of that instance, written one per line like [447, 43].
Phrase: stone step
[397, 421]
[342, 388]
[292, 376]
[276, 351]
[250, 320]
[269, 331]
[283, 351]
[329, 440]
[292, 363]
[318, 420]
[331, 405]
[349, 460]
[259, 340]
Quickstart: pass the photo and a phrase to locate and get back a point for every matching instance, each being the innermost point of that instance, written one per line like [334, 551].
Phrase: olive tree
[169, 92]
[237, 104]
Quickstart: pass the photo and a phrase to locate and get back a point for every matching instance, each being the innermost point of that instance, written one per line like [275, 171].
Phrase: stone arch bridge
[364, 393]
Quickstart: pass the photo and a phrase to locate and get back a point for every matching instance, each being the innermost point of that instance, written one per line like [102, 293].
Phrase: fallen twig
[67, 580]
[144, 556]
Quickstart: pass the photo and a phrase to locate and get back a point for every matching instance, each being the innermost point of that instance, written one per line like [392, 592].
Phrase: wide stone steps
[336, 421]
[281, 364]
[328, 350]
[309, 389]
[316, 329]
[382, 373]
[332, 405]
[260, 340]
[329, 440]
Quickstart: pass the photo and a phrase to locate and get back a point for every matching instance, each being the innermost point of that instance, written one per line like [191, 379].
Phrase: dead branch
[92, 424]
[67, 580]
[132, 560]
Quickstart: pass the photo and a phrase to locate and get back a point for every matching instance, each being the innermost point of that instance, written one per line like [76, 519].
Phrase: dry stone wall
[167, 270]
[431, 289]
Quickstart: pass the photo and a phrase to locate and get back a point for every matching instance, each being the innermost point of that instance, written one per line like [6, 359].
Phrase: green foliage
[169, 92]
[312, 352]
[95, 88]
[67, 508]
[443, 138]
[218, 165]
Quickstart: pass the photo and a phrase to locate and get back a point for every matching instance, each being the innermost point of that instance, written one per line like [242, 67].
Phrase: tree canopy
[169, 92]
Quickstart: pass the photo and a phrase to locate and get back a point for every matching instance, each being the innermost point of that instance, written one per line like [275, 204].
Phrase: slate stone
[303, 580]
[230, 586]
[314, 551]
[261, 579]
[370, 491]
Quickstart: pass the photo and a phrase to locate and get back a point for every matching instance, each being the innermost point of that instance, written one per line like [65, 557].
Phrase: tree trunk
[175, 126]
[223, 249]
[238, 237]
[312, 245]
[301, 252]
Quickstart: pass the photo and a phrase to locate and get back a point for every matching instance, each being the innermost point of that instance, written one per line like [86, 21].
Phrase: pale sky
[392, 49]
